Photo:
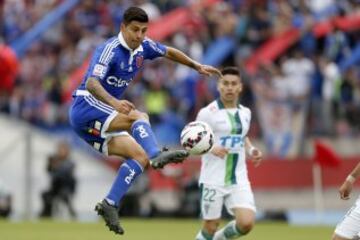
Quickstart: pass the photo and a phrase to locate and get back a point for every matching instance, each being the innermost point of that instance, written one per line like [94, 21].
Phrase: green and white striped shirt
[230, 127]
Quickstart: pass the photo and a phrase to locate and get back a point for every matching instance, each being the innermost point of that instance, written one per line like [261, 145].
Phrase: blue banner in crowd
[218, 51]
[352, 60]
[21, 44]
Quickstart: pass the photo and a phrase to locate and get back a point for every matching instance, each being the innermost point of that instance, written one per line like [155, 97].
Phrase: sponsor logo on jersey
[206, 208]
[99, 70]
[232, 141]
[117, 82]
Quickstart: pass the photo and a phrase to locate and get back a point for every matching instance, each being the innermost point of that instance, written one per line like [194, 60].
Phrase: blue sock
[127, 173]
[144, 135]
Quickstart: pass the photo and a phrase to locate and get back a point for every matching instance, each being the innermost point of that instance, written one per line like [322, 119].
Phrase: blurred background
[299, 61]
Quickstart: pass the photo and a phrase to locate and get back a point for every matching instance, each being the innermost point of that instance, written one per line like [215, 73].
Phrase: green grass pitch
[149, 229]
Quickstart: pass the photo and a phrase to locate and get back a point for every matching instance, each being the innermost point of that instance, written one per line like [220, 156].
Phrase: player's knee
[140, 156]
[145, 116]
[245, 226]
[137, 115]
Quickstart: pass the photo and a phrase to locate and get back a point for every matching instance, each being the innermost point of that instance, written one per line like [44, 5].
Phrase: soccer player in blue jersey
[112, 125]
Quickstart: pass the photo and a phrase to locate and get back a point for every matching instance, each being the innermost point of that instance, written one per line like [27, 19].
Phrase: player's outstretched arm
[347, 185]
[94, 87]
[180, 57]
[253, 152]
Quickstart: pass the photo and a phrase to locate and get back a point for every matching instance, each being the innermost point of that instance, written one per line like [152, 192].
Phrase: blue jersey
[115, 65]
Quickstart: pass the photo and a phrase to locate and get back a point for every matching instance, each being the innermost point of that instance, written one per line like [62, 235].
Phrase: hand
[123, 106]
[256, 156]
[219, 151]
[208, 70]
[345, 190]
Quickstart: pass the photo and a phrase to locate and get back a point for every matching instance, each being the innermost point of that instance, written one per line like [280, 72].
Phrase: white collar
[124, 44]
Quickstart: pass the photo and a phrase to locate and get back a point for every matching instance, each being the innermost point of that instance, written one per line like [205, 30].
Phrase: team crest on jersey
[206, 208]
[139, 61]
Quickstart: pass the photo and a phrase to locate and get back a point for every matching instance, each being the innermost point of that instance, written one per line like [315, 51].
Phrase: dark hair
[231, 71]
[135, 14]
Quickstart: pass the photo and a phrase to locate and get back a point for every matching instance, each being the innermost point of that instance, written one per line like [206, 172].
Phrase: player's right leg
[137, 123]
[211, 204]
[208, 229]
[91, 121]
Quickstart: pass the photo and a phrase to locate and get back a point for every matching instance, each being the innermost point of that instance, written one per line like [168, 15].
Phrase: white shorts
[214, 197]
[349, 227]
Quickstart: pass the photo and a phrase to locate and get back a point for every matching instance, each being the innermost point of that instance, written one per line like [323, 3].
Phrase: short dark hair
[230, 70]
[135, 14]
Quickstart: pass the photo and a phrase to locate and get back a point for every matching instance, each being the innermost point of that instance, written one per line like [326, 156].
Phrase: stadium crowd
[304, 86]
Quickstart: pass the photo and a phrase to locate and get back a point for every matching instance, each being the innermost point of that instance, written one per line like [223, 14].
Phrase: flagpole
[318, 192]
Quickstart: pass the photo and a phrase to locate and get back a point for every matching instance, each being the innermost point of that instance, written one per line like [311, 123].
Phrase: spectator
[332, 77]
[5, 201]
[37, 94]
[62, 184]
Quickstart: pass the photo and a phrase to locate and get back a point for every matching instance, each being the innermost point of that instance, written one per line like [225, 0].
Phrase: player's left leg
[242, 225]
[337, 237]
[240, 203]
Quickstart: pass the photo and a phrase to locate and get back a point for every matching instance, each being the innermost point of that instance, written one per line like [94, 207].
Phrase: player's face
[230, 87]
[134, 33]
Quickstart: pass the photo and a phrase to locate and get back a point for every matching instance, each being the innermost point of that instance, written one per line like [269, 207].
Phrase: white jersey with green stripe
[230, 127]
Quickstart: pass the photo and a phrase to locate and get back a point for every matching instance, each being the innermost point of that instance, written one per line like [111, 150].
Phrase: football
[197, 137]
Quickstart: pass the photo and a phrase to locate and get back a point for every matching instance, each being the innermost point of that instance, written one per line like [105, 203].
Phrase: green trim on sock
[206, 235]
[231, 231]
[201, 198]
[238, 230]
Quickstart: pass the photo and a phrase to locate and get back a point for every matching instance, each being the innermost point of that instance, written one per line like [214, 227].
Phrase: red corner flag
[325, 155]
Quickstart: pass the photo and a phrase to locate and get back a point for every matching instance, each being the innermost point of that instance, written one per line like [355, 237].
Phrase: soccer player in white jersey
[223, 177]
[349, 227]
[111, 124]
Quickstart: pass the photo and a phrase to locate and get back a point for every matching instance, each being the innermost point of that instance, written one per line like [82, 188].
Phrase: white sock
[110, 202]
[230, 231]
[203, 236]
